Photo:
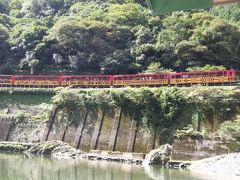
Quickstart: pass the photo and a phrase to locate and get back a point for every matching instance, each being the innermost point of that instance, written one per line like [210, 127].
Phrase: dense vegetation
[169, 111]
[113, 36]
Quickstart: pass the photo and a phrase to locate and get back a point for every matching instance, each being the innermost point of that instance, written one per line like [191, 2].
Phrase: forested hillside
[113, 37]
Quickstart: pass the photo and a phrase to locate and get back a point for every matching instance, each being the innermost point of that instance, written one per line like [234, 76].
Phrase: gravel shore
[224, 164]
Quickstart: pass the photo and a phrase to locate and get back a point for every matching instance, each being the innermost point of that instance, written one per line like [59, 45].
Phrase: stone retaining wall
[84, 129]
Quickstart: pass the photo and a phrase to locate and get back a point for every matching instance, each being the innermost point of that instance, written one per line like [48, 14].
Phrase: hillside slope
[113, 37]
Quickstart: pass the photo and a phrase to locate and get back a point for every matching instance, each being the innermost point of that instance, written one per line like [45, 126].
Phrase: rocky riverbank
[228, 164]
[224, 164]
[62, 150]
[57, 149]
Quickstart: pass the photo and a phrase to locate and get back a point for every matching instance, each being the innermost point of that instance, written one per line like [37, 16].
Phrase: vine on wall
[164, 110]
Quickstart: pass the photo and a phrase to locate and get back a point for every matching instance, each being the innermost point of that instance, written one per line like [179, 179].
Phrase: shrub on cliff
[66, 98]
[230, 130]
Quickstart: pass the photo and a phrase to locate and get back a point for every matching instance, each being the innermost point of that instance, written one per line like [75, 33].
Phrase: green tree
[4, 6]
[3, 43]
[29, 62]
[223, 44]
[126, 14]
[207, 67]
[116, 36]
[155, 67]
[87, 43]
[198, 39]
[119, 62]
[26, 34]
[38, 8]
[5, 20]
[89, 10]
[229, 12]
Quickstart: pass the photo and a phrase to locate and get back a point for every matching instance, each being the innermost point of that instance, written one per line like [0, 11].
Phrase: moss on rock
[13, 147]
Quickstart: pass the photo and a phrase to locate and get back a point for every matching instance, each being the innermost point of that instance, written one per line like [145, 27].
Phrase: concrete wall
[5, 127]
[188, 148]
[20, 130]
[91, 129]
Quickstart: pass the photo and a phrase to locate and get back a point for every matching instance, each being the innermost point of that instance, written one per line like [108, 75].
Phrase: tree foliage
[114, 37]
[207, 67]
[3, 43]
[228, 12]
[89, 43]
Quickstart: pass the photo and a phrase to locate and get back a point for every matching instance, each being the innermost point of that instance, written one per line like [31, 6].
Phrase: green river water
[22, 167]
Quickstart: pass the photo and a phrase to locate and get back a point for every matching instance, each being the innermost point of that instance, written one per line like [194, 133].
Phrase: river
[22, 167]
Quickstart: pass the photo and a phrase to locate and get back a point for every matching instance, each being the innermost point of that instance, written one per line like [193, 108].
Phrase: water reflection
[20, 167]
[161, 173]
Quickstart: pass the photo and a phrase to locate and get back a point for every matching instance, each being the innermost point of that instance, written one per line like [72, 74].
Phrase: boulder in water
[57, 149]
[158, 156]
